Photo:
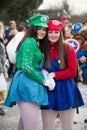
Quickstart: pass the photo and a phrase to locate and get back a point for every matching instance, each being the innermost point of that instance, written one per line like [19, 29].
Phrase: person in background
[70, 33]
[81, 40]
[66, 96]
[75, 28]
[67, 32]
[10, 32]
[65, 21]
[84, 24]
[82, 55]
[28, 87]
[22, 27]
[2, 62]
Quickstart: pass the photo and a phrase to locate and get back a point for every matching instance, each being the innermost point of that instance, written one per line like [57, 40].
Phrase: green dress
[27, 83]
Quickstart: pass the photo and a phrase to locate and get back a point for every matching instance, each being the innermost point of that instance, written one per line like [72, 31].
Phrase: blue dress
[65, 95]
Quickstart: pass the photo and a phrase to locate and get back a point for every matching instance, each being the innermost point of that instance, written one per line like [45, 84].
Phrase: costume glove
[49, 81]
[50, 84]
[51, 75]
[45, 73]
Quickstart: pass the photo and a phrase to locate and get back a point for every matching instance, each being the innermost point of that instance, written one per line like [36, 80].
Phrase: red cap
[55, 25]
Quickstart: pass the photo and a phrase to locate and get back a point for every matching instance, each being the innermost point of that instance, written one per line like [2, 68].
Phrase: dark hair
[83, 33]
[43, 44]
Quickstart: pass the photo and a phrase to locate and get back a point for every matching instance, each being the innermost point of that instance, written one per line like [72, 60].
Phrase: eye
[56, 32]
[50, 32]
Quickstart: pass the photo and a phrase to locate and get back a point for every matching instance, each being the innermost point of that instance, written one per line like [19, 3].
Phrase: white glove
[50, 83]
[51, 75]
[45, 73]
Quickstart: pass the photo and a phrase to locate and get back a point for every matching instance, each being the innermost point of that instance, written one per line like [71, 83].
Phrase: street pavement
[10, 120]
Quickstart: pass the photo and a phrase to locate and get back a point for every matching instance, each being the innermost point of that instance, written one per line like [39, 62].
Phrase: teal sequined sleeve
[29, 58]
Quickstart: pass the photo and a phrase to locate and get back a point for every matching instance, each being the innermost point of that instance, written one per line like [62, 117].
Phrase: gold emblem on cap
[59, 61]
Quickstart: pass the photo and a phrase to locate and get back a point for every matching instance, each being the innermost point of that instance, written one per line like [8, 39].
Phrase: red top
[70, 71]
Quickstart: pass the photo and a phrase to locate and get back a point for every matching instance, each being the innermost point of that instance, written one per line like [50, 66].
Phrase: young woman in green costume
[28, 86]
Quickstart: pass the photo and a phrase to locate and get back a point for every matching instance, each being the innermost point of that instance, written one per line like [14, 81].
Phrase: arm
[82, 56]
[2, 57]
[2, 53]
[70, 71]
[27, 53]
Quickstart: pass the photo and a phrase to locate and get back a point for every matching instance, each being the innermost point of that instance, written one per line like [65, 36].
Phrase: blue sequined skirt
[23, 88]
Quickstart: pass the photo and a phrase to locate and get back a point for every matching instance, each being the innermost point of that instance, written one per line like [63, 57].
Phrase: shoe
[85, 121]
[84, 81]
[2, 113]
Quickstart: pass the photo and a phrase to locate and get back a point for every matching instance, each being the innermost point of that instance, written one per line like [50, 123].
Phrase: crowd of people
[6, 67]
[75, 31]
[51, 59]
[76, 34]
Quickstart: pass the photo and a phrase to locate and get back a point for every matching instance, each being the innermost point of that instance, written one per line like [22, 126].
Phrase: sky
[76, 7]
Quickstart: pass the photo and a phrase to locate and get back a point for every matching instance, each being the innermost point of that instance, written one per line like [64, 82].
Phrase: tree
[4, 3]
[21, 10]
[18, 10]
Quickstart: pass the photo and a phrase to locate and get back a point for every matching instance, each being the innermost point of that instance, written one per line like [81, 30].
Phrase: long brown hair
[62, 51]
[43, 44]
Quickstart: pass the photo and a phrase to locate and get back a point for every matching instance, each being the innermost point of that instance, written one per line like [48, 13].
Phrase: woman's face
[41, 33]
[53, 36]
[67, 32]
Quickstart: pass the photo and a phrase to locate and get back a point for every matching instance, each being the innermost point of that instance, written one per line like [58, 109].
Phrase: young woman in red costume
[66, 96]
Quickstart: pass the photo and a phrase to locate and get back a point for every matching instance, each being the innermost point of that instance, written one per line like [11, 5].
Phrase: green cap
[39, 20]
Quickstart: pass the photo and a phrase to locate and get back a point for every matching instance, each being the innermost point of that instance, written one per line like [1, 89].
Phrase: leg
[29, 116]
[2, 98]
[20, 124]
[66, 118]
[10, 70]
[48, 118]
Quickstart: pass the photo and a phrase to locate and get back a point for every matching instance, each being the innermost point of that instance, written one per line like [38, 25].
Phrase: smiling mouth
[53, 38]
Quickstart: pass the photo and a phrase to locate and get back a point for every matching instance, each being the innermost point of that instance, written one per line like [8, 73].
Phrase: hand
[82, 59]
[5, 41]
[51, 75]
[50, 83]
[45, 73]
